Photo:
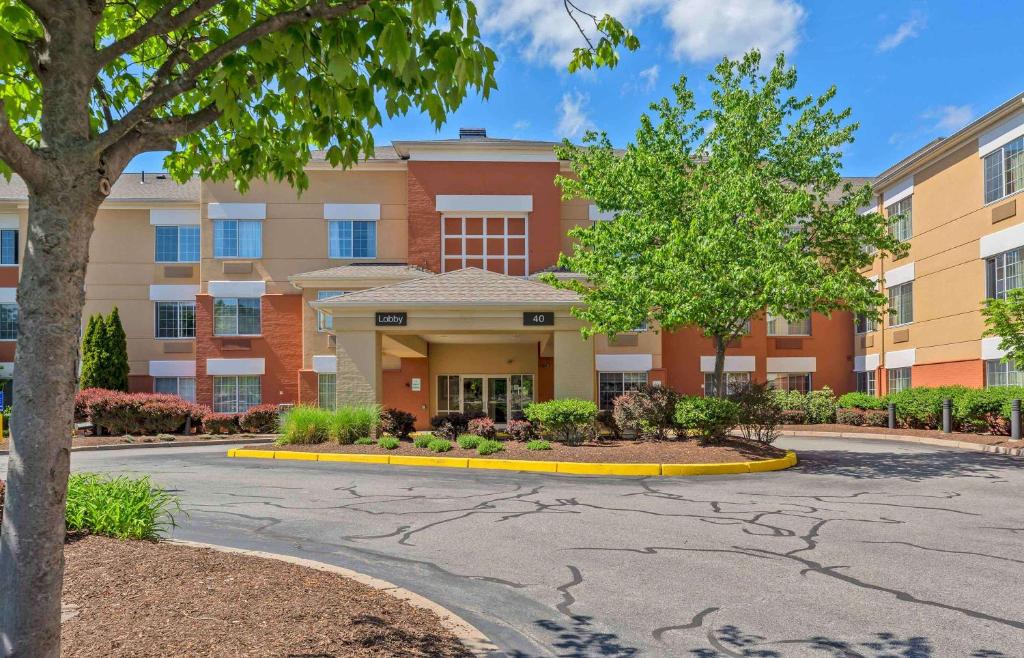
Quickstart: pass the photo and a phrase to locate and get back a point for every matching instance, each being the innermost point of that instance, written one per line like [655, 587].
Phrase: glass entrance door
[497, 399]
[472, 395]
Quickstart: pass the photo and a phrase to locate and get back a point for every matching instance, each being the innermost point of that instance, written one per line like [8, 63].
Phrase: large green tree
[1004, 319]
[725, 212]
[233, 88]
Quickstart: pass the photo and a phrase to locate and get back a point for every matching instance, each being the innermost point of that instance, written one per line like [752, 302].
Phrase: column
[574, 366]
[359, 368]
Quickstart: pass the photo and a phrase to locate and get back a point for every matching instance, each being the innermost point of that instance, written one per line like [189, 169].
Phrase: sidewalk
[980, 443]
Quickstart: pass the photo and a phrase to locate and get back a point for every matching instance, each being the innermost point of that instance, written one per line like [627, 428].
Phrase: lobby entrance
[501, 397]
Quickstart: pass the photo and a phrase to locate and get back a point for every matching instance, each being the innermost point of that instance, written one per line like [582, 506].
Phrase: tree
[92, 354]
[1004, 319]
[234, 89]
[724, 213]
[116, 344]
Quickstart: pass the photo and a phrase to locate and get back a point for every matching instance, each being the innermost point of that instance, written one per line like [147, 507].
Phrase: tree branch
[317, 11]
[162, 22]
[43, 9]
[17, 154]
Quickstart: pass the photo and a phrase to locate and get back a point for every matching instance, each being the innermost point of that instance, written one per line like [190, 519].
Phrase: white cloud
[649, 76]
[950, 118]
[572, 115]
[908, 29]
[541, 31]
[522, 124]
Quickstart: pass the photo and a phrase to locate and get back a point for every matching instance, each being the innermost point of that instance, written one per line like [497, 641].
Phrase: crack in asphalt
[943, 550]
[568, 600]
[696, 622]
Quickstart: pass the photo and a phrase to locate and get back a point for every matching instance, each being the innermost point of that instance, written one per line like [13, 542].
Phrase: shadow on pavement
[577, 639]
[913, 466]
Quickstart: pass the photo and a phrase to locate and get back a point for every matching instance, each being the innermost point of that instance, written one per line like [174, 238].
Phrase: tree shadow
[578, 639]
[912, 466]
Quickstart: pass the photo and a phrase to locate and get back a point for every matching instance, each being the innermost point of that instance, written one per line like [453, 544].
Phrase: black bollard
[1015, 420]
[892, 416]
[947, 415]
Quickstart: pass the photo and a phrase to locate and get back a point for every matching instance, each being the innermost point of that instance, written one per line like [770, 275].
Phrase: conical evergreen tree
[116, 344]
[92, 353]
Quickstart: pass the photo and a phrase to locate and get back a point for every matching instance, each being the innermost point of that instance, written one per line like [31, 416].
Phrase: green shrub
[821, 406]
[388, 442]
[439, 445]
[468, 441]
[568, 419]
[423, 440]
[712, 417]
[791, 400]
[986, 409]
[858, 400]
[304, 425]
[850, 416]
[648, 412]
[350, 422]
[122, 507]
[538, 444]
[794, 417]
[364, 441]
[489, 447]
[921, 406]
[760, 413]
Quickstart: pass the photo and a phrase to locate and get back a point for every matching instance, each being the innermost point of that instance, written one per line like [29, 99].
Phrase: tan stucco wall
[499, 359]
[647, 342]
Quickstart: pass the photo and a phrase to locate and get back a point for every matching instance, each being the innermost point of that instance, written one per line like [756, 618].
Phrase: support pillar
[359, 378]
[574, 366]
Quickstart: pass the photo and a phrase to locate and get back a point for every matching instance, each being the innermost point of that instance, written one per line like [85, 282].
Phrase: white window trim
[174, 217]
[595, 214]
[732, 364]
[1000, 241]
[8, 295]
[173, 293]
[898, 191]
[236, 211]
[236, 288]
[624, 362]
[362, 212]
[462, 236]
[990, 348]
[900, 359]
[792, 364]
[865, 363]
[235, 367]
[1000, 135]
[9, 221]
[899, 275]
[483, 203]
[325, 364]
[178, 368]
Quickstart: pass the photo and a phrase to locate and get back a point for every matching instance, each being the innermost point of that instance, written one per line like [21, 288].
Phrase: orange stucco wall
[398, 393]
[428, 179]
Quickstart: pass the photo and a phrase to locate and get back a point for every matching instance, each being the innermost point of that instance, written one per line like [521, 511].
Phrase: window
[1003, 373]
[177, 244]
[734, 383]
[183, 387]
[236, 316]
[8, 322]
[325, 321]
[449, 399]
[232, 395]
[1004, 170]
[613, 384]
[901, 304]
[520, 393]
[790, 381]
[900, 214]
[780, 326]
[236, 238]
[327, 388]
[175, 319]
[1004, 272]
[898, 379]
[495, 244]
[351, 239]
[863, 324]
[866, 382]
[9, 246]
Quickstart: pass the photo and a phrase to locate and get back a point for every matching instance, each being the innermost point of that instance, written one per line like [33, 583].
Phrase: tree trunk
[720, 367]
[50, 299]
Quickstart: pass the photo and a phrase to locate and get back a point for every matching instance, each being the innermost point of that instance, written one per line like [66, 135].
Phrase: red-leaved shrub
[218, 423]
[483, 427]
[521, 430]
[261, 419]
[139, 413]
[84, 400]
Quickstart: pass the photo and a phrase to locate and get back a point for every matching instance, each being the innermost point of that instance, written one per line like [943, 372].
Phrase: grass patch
[439, 445]
[489, 447]
[468, 441]
[306, 425]
[364, 441]
[121, 507]
[388, 442]
[422, 440]
[538, 444]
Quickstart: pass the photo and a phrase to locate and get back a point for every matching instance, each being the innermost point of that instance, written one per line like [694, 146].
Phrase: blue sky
[910, 70]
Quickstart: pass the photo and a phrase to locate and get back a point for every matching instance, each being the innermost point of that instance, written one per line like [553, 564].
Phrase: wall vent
[472, 133]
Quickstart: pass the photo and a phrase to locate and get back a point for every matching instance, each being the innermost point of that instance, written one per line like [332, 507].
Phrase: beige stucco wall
[647, 342]
[497, 359]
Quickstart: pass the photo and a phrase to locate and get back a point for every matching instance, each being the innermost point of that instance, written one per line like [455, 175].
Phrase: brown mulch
[92, 441]
[613, 452]
[145, 599]
[984, 439]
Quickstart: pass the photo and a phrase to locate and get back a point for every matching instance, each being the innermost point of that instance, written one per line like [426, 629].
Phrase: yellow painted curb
[584, 468]
[573, 468]
[514, 465]
[356, 458]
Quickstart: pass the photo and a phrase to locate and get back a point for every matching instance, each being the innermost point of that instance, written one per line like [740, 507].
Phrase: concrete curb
[475, 642]
[926, 440]
[574, 468]
[168, 444]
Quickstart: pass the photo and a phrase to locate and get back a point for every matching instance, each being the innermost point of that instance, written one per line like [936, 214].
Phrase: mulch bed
[92, 441]
[144, 599]
[984, 439]
[614, 452]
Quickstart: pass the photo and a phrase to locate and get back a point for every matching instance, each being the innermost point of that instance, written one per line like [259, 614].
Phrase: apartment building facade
[955, 202]
[409, 280]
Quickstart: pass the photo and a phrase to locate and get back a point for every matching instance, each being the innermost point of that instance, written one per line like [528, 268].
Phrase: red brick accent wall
[7, 350]
[545, 379]
[397, 390]
[966, 373]
[280, 345]
[9, 276]
[428, 179]
[309, 387]
[140, 383]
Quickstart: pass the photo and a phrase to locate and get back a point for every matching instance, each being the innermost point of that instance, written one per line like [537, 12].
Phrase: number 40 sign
[538, 318]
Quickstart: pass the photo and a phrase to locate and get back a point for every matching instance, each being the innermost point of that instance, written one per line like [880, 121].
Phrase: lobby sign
[538, 318]
[391, 319]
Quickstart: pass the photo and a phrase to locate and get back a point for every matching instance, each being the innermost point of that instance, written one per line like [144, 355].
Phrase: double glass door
[498, 396]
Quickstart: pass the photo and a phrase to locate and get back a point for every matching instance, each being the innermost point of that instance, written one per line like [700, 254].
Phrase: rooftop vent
[472, 133]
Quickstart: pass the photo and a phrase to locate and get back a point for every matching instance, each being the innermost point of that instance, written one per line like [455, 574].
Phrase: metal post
[1015, 420]
[947, 415]
[892, 416]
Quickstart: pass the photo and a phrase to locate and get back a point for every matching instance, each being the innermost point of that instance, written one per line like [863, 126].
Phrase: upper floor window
[1004, 170]
[863, 324]
[8, 322]
[780, 326]
[175, 319]
[237, 238]
[352, 239]
[1003, 273]
[236, 316]
[901, 224]
[325, 321]
[901, 303]
[177, 244]
[9, 246]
